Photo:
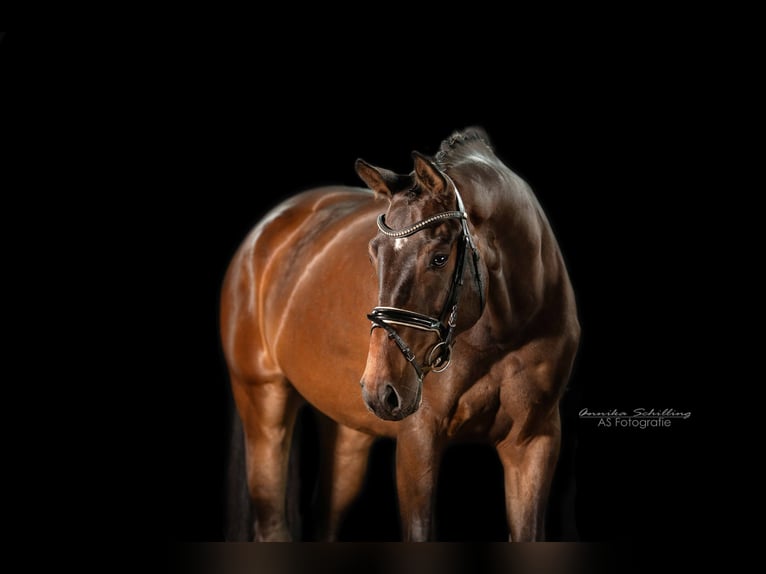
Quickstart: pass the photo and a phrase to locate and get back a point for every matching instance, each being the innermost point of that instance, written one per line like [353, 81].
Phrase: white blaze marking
[399, 243]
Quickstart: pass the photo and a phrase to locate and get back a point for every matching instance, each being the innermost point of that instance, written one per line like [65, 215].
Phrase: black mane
[462, 144]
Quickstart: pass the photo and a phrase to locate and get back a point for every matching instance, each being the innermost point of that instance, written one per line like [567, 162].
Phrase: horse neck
[495, 197]
[515, 241]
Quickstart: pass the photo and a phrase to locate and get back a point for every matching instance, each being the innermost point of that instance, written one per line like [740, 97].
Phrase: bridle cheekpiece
[439, 356]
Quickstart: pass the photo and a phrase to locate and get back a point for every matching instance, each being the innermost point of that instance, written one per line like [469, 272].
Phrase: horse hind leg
[343, 465]
[268, 409]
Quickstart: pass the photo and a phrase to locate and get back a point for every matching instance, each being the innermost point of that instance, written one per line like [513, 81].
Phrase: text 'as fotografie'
[639, 418]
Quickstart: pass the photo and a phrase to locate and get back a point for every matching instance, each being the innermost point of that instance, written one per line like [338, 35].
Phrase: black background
[612, 160]
[190, 138]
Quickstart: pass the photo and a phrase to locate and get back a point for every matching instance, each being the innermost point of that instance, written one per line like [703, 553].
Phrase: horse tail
[239, 512]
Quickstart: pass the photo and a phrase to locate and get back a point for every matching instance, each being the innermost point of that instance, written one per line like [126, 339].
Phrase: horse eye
[439, 261]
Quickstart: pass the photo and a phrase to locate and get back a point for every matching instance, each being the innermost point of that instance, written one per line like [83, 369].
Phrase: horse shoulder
[533, 318]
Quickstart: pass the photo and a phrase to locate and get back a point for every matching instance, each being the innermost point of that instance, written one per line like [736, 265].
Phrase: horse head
[430, 284]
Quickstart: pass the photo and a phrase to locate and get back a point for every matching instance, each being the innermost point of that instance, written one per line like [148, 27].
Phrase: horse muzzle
[386, 402]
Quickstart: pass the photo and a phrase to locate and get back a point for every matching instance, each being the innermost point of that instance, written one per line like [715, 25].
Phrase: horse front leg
[529, 462]
[418, 455]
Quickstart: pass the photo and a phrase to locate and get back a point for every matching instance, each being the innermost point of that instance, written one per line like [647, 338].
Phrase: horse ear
[428, 175]
[379, 180]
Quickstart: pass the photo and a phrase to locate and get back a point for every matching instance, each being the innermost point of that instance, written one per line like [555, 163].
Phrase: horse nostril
[391, 398]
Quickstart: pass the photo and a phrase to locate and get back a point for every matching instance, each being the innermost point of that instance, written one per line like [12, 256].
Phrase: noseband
[439, 356]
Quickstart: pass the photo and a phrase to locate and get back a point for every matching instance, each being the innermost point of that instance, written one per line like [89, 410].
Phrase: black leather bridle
[439, 356]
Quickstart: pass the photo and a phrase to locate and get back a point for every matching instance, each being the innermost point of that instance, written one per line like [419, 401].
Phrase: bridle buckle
[440, 355]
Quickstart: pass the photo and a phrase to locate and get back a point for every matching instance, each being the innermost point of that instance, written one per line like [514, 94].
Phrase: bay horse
[433, 307]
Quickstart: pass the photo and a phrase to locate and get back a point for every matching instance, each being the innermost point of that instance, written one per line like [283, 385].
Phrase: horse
[431, 307]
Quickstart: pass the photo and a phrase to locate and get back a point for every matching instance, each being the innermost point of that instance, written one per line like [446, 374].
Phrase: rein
[439, 356]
